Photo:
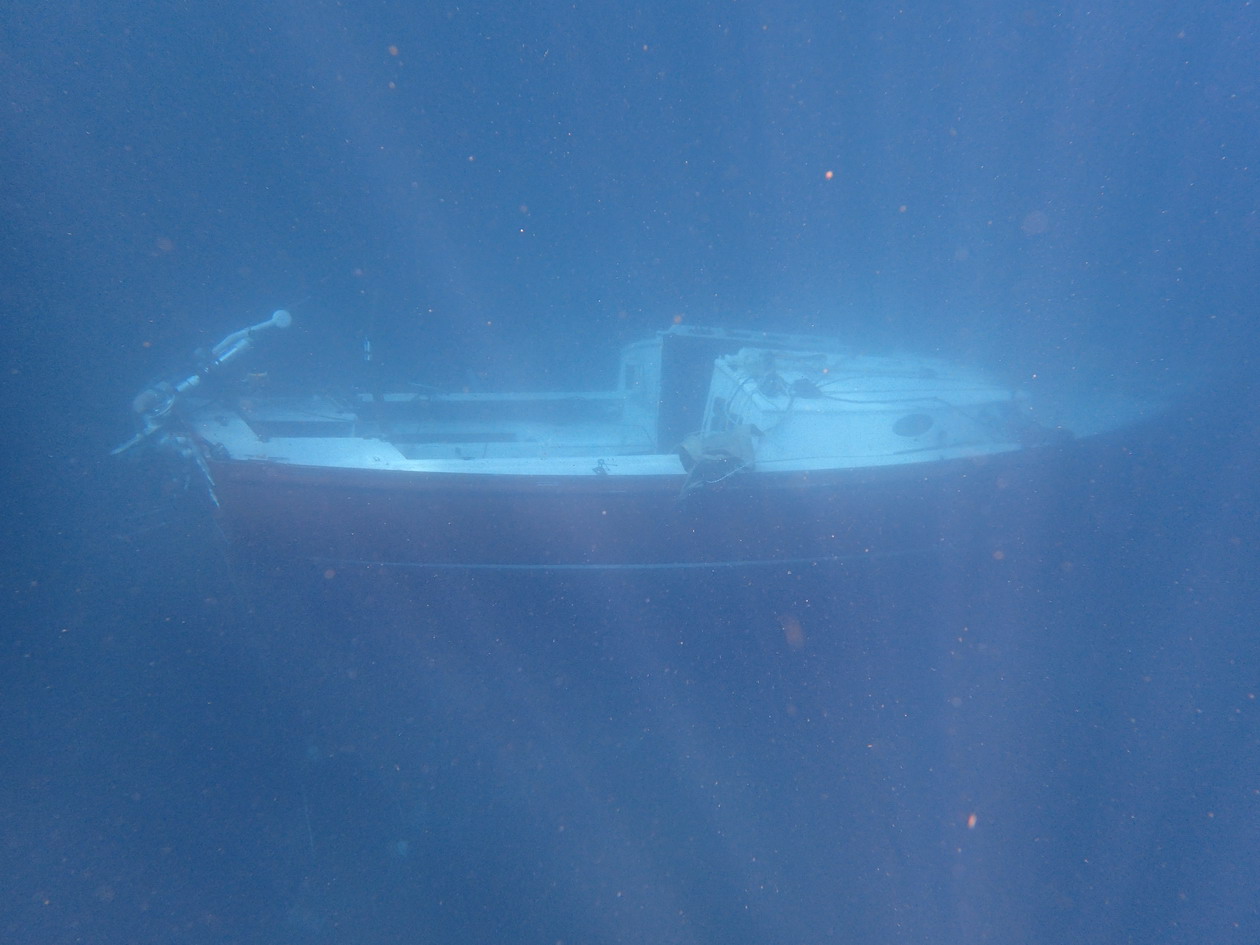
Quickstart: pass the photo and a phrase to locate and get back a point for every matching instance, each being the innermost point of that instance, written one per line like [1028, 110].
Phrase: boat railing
[153, 405]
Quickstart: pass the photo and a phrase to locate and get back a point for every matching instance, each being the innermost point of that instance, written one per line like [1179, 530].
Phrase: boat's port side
[464, 425]
[482, 426]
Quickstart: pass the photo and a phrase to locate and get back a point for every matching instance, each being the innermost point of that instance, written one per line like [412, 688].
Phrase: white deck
[798, 411]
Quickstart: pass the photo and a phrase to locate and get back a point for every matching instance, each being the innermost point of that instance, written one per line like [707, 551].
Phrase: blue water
[1052, 737]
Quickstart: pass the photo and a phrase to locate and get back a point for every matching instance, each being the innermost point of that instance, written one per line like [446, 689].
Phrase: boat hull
[343, 516]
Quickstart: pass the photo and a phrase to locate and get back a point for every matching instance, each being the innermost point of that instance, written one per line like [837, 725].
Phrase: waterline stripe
[662, 566]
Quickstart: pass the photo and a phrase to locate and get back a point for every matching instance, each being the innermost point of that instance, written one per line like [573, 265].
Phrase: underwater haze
[1044, 731]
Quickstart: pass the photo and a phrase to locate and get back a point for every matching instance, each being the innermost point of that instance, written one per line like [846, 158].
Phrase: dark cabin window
[913, 424]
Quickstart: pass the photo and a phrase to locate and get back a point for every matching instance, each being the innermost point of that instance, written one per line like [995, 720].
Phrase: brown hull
[340, 515]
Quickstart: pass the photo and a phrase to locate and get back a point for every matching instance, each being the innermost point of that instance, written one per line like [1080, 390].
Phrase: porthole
[913, 424]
